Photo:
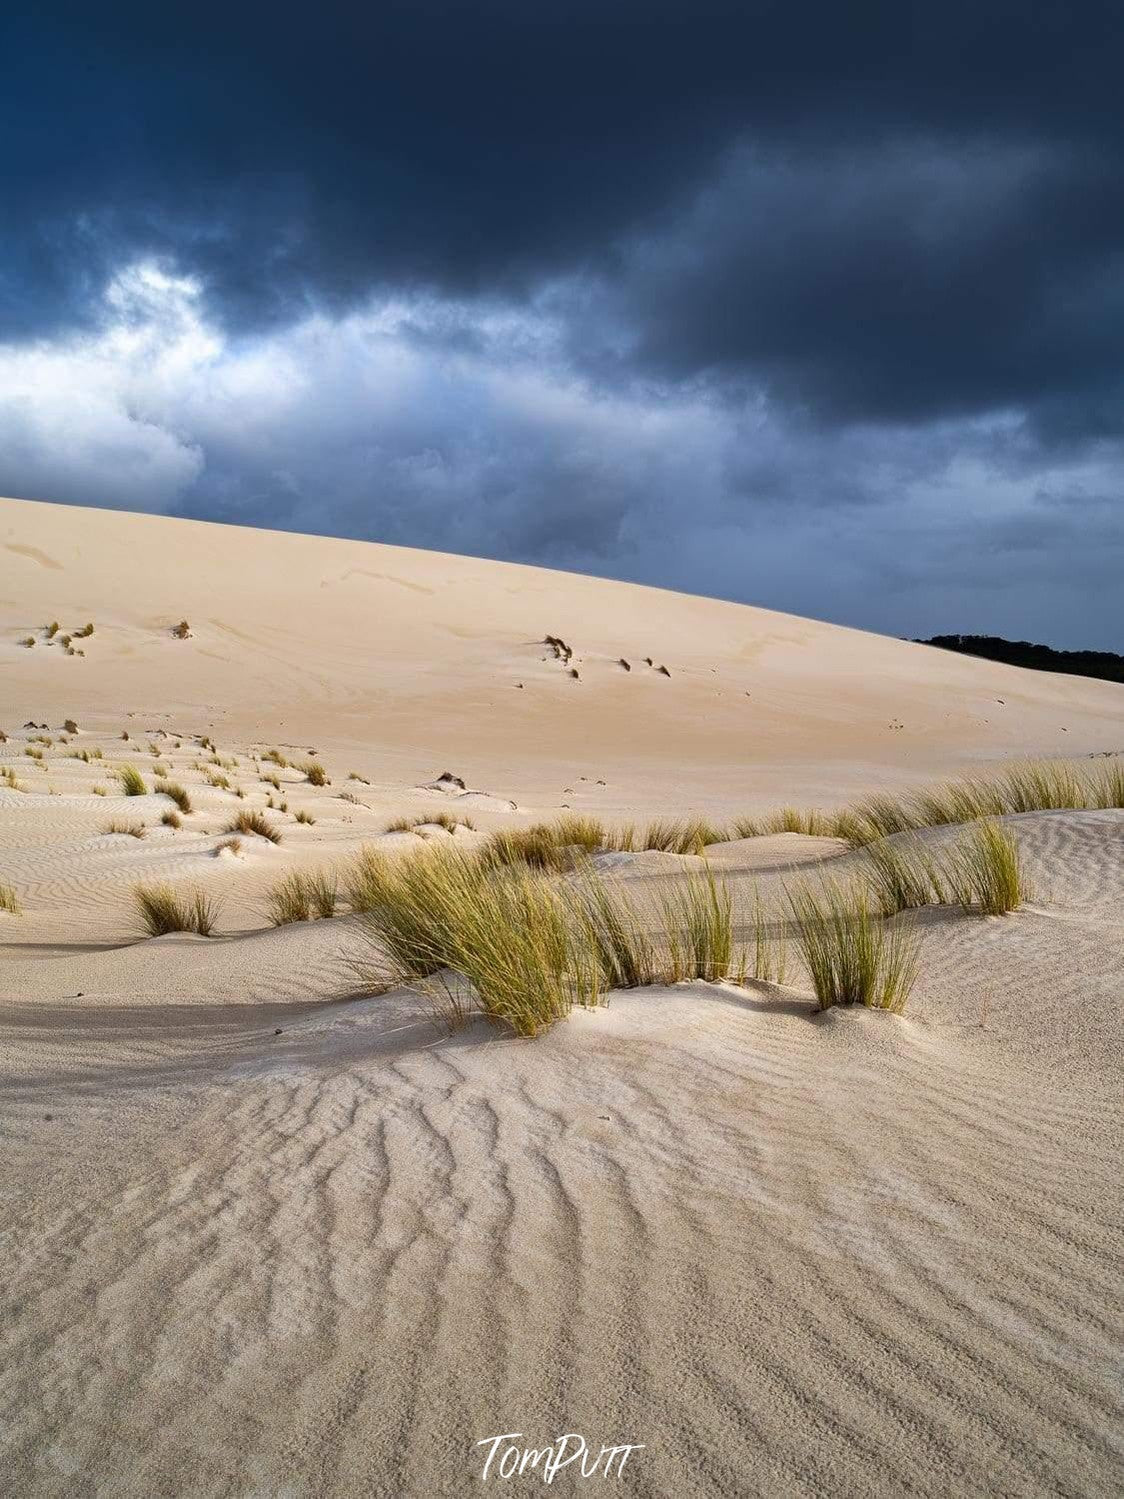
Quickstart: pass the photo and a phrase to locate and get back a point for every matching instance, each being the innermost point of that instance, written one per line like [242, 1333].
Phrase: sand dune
[264, 1235]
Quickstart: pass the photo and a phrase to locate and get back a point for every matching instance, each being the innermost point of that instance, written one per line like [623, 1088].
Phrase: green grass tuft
[986, 871]
[301, 897]
[852, 957]
[162, 910]
[132, 783]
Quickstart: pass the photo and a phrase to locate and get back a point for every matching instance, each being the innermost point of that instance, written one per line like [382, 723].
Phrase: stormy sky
[818, 306]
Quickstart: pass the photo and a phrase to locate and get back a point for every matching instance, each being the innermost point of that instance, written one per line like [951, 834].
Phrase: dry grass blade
[176, 792]
[254, 822]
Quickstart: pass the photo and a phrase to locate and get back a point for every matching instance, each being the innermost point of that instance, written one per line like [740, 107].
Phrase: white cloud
[462, 426]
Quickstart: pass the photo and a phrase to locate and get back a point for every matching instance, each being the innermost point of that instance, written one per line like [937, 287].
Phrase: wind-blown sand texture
[263, 1236]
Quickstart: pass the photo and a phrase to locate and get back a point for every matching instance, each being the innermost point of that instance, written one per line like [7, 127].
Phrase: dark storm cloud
[816, 305]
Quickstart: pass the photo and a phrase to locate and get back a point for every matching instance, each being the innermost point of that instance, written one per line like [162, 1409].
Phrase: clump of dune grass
[118, 825]
[1033, 786]
[33, 752]
[254, 822]
[182, 631]
[52, 629]
[301, 897]
[315, 773]
[132, 783]
[353, 775]
[84, 633]
[545, 845]
[163, 909]
[301, 815]
[28, 641]
[903, 875]
[272, 780]
[698, 928]
[229, 845]
[852, 956]
[1107, 787]
[502, 931]
[175, 792]
[400, 825]
[809, 821]
[689, 835]
[610, 926]
[70, 726]
[172, 820]
[450, 823]
[276, 757]
[8, 774]
[8, 899]
[985, 871]
[217, 779]
[349, 796]
[770, 947]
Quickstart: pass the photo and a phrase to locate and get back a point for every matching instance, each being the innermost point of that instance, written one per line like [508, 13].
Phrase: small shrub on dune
[132, 783]
[98, 790]
[302, 816]
[176, 793]
[182, 631]
[315, 773]
[70, 726]
[254, 822]
[353, 775]
[272, 780]
[8, 900]
[33, 752]
[276, 757]
[84, 633]
[400, 825]
[217, 779]
[985, 871]
[52, 629]
[28, 641]
[852, 957]
[162, 909]
[172, 820]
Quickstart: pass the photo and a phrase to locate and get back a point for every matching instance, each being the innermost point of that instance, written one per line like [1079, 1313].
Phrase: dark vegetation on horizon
[1104, 664]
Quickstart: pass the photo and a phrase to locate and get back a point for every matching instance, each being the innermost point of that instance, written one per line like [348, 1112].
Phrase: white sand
[790, 1253]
